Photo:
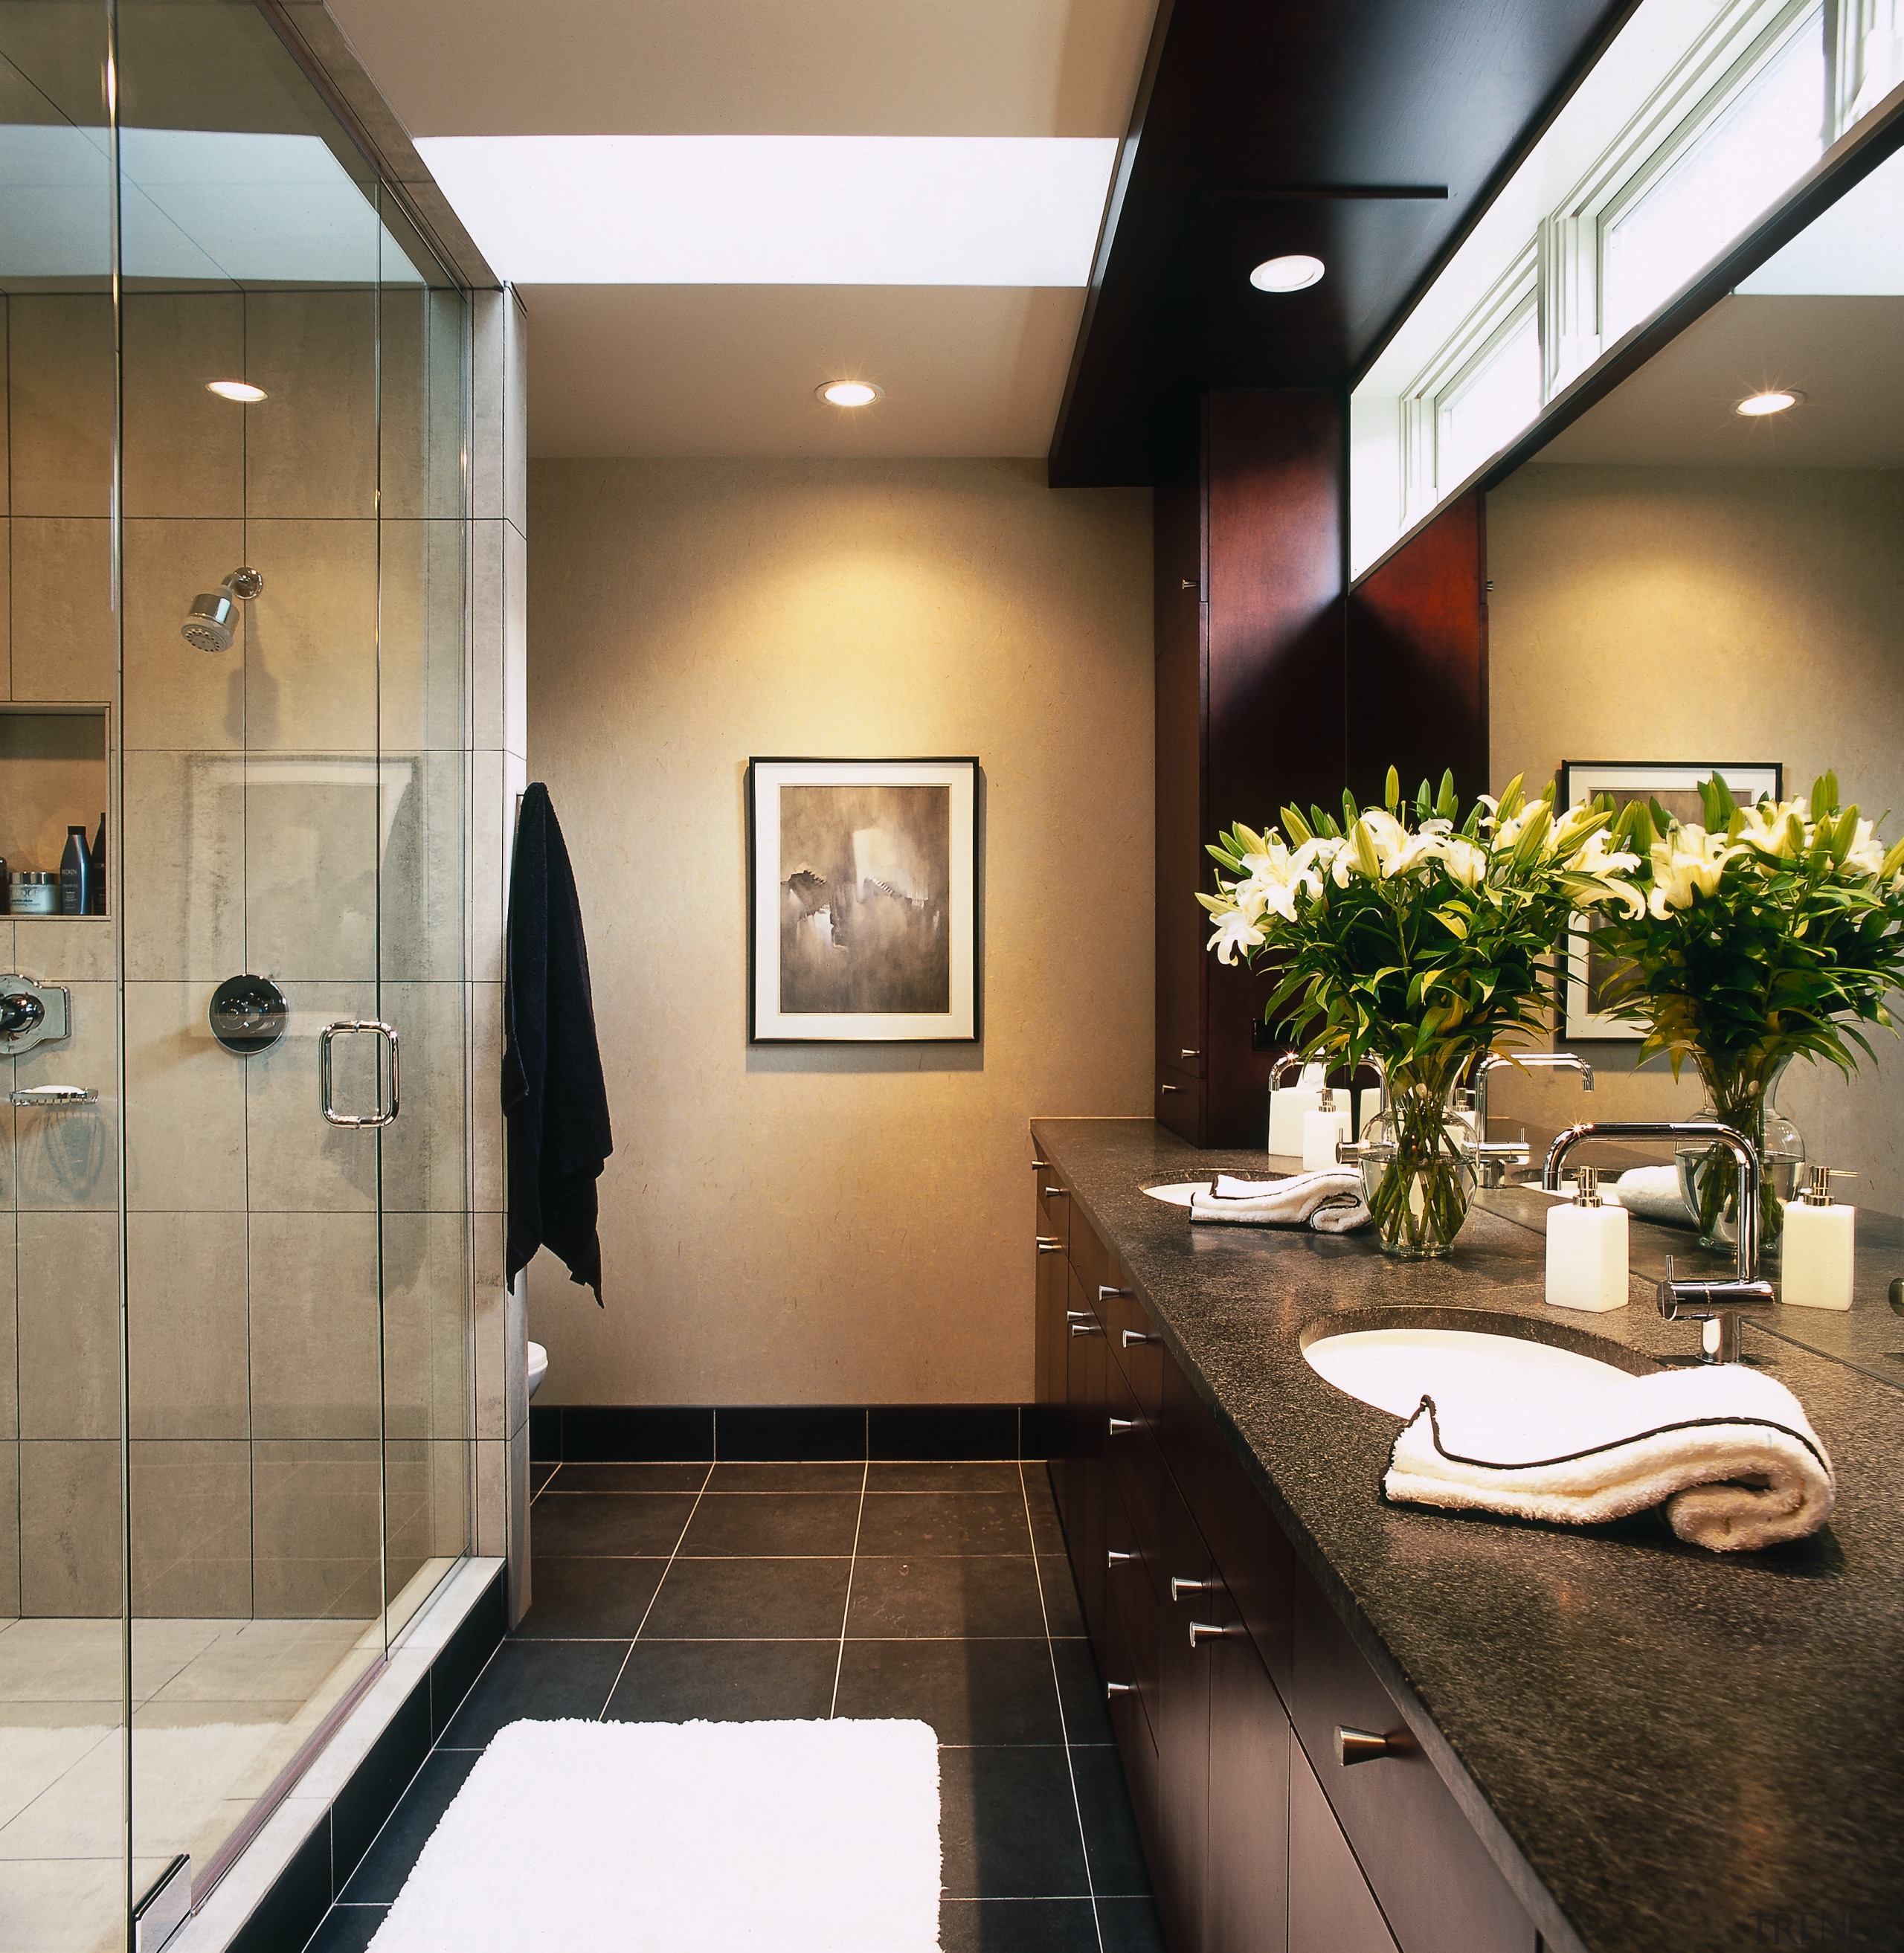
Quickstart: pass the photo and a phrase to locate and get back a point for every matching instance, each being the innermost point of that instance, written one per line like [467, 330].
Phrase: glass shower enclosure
[235, 1398]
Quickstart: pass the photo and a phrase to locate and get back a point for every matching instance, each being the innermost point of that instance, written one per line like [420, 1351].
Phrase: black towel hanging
[554, 1097]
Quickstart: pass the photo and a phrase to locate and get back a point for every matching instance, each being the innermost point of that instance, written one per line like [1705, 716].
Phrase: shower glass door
[238, 1446]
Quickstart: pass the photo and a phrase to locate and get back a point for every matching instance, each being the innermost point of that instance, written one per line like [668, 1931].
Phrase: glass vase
[1419, 1166]
[1743, 1095]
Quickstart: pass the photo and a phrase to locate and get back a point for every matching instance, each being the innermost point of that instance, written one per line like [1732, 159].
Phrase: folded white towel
[1329, 1201]
[1728, 1450]
[1653, 1194]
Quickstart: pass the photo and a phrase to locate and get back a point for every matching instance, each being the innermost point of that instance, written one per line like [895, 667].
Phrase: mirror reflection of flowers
[1769, 932]
[1425, 937]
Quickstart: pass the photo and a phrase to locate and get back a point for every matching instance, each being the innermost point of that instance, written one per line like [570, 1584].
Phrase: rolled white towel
[1728, 1451]
[1329, 1201]
[1653, 1194]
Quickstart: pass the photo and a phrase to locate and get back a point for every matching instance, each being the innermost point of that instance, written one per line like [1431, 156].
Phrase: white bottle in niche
[1288, 1106]
[1586, 1250]
[1322, 1129]
[1815, 1262]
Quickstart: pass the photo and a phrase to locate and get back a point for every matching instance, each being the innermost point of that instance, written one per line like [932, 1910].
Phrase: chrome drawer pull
[1201, 1630]
[1049, 1244]
[1170, 1088]
[1113, 1689]
[1079, 1316]
[1057, 1193]
[1190, 1054]
[1179, 1587]
[1112, 1294]
[1040, 1166]
[1363, 1746]
[1114, 1558]
[1119, 1425]
[1133, 1337]
[1087, 1329]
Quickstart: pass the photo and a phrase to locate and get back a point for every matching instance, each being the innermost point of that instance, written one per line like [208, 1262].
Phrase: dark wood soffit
[1369, 133]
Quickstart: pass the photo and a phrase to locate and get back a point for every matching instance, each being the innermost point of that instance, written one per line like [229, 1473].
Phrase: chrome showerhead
[211, 623]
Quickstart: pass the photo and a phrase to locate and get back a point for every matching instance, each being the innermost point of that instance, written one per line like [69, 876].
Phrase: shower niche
[53, 777]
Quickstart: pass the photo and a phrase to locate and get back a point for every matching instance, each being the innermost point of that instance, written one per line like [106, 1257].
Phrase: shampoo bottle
[1322, 1129]
[76, 874]
[1586, 1250]
[97, 905]
[1815, 1267]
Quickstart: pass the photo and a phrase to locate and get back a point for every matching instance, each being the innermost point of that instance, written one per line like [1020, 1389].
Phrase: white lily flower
[1687, 864]
[1467, 863]
[1594, 857]
[1866, 854]
[1233, 932]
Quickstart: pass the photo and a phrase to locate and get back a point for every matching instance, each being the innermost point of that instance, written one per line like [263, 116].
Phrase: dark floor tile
[727, 1524]
[977, 1594]
[726, 1682]
[1061, 1610]
[1047, 1535]
[1016, 1925]
[749, 1600]
[631, 1477]
[380, 1877]
[957, 1476]
[1081, 1690]
[541, 1470]
[943, 1430]
[1008, 1827]
[944, 1522]
[843, 1476]
[1130, 1926]
[989, 1691]
[588, 1599]
[347, 1929]
[800, 1431]
[541, 1681]
[620, 1523]
[1110, 1828]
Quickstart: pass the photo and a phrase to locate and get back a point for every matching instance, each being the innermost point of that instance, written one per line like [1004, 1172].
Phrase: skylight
[775, 210]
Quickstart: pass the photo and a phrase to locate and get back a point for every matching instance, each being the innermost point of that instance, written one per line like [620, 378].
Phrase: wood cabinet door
[1330, 1907]
[1053, 1287]
[1186, 1595]
[1247, 1903]
[1083, 1497]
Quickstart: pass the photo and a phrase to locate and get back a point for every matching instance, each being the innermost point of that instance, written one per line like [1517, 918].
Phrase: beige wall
[842, 1225]
[1664, 613]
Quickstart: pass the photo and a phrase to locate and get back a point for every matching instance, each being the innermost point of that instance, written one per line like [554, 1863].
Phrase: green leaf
[1663, 822]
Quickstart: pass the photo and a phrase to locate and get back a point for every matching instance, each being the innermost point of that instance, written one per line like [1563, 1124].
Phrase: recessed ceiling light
[235, 390]
[849, 393]
[1294, 273]
[1774, 401]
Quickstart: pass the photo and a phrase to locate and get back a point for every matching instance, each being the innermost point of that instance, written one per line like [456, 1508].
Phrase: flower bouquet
[1423, 937]
[1770, 932]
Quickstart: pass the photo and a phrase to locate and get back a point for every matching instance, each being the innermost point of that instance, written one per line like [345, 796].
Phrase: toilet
[539, 1367]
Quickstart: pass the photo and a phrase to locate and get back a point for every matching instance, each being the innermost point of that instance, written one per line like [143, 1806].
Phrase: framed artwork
[1676, 786]
[862, 900]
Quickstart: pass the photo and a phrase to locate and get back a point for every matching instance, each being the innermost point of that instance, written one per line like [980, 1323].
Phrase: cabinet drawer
[1135, 1343]
[1330, 1907]
[1137, 1471]
[1090, 1260]
[1439, 1888]
[1137, 1741]
[1130, 1612]
[1054, 1206]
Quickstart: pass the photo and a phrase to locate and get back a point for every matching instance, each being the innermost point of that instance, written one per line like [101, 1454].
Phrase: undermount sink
[1392, 1358]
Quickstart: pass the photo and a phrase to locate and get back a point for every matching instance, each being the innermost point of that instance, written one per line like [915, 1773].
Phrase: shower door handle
[378, 1028]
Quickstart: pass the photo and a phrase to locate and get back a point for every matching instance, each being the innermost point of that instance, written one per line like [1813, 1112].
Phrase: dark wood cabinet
[1260, 1839]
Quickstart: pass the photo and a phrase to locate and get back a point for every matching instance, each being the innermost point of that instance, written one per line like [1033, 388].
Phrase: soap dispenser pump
[1323, 1128]
[1815, 1263]
[1586, 1250]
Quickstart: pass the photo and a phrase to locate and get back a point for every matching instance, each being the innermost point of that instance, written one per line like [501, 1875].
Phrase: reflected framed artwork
[1590, 976]
[862, 900]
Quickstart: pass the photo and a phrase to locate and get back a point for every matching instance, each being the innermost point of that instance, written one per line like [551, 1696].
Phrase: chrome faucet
[1715, 1305]
[1496, 1158]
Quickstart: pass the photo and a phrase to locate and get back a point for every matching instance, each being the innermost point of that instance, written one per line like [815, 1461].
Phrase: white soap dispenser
[1322, 1129]
[1586, 1250]
[1815, 1263]
[1288, 1106]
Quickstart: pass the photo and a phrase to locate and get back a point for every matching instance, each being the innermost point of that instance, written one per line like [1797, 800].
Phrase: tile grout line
[1063, 1724]
[846, 1610]
[603, 1716]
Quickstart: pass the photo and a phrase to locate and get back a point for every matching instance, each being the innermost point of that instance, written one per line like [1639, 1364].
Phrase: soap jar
[1325, 1127]
[1586, 1250]
[1820, 1238]
[1289, 1102]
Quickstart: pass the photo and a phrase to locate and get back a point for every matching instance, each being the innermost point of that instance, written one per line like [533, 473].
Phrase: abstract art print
[1676, 786]
[862, 900]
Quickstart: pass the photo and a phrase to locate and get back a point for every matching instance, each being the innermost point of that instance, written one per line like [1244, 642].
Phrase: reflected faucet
[1496, 1160]
[1715, 1305]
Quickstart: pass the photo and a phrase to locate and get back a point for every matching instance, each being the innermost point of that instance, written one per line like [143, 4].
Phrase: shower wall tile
[491, 833]
[6, 329]
[491, 328]
[311, 844]
[9, 1528]
[70, 1540]
[515, 414]
[59, 950]
[311, 449]
[178, 699]
[515, 642]
[425, 1164]
[426, 1326]
[486, 1192]
[314, 1531]
[421, 890]
[61, 605]
[313, 1326]
[185, 1112]
[489, 625]
[311, 637]
[6, 593]
[60, 386]
[66, 1161]
[296, 1162]
[191, 1529]
[428, 1505]
[422, 645]
[184, 849]
[492, 1340]
[69, 1325]
[186, 1308]
[516, 1357]
[9, 1348]
[422, 363]
[184, 447]
[492, 1496]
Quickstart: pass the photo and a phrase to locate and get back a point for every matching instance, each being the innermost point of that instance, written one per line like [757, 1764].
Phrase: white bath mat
[684, 1837]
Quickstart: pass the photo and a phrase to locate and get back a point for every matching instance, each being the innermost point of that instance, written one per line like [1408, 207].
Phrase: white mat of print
[661, 1837]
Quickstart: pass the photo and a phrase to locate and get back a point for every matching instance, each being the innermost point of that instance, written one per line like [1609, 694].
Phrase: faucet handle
[1716, 1306]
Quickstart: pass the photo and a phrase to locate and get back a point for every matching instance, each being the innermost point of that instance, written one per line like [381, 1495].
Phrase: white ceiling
[1842, 353]
[706, 368]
